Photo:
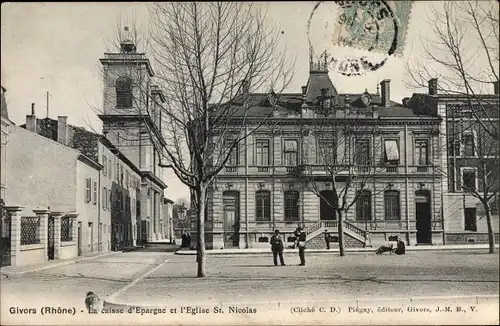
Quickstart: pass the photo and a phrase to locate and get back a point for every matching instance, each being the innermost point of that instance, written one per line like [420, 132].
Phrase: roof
[319, 80]
[4, 111]
[82, 140]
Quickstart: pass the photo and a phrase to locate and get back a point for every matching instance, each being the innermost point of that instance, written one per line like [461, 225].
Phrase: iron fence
[30, 226]
[66, 229]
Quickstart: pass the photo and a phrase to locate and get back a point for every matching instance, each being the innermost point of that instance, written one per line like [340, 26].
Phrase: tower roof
[319, 79]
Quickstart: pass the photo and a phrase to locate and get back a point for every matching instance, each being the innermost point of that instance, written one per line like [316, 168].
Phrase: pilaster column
[57, 232]
[43, 214]
[15, 232]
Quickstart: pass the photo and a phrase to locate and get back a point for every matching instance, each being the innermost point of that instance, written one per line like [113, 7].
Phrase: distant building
[469, 155]
[168, 219]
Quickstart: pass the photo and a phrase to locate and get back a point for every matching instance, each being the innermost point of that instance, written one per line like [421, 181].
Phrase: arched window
[291, 205]
[364, 206]
[391, 204]
[123, 93]
[262, 205]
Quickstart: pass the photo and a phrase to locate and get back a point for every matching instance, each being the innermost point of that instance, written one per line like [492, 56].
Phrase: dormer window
[123, 93]
[272, 98]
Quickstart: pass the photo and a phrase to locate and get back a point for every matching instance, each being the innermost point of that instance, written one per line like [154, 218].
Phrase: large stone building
[386, 155]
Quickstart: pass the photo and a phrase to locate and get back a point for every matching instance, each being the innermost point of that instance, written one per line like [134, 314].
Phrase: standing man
[302, 247]
[277, 248]
[327, 239]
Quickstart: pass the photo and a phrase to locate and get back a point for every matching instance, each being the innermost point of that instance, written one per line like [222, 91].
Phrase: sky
[56, 47]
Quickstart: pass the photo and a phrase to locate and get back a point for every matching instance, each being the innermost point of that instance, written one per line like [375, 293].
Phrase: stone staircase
[355, 237]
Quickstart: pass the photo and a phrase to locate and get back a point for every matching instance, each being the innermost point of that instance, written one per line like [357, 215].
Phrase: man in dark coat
[277, 248]
[327, 239]
[302, 247]
[401, 247]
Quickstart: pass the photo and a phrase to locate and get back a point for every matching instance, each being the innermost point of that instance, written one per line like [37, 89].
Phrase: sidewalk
[12, 271]
[254, 251]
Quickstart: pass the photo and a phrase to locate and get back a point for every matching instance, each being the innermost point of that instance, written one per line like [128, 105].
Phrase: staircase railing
[315, 229]
[355, 229]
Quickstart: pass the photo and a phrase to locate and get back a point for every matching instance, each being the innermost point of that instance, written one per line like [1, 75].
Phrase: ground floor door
[79, 238]
[91, 237]
[5, 225]
[100, 237]
[231, 211]
[325, 205]
[50, 238]
[423, 216]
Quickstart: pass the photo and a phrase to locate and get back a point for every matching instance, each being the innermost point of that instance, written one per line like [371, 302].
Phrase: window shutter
[87, 190]
[95, 193]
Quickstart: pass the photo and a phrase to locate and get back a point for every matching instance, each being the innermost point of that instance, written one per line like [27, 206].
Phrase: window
[117, 170]
[94, 201]
[364, 206]
[391, 204]
[391, 152]
[262, 152]
[327, 151]
[127, 178]
[123, 93]
[88, 190]
[66, 229]
[469, 179]
[454, 147]
[233, 153]
[470, 219]
[468, 140]
[362, 154]
[262, 205]
[421, 152]
[110, 197]
[290, 152]
[121, 174]
[105, 165]
[110, 169]
[291, 205]
[104, 198]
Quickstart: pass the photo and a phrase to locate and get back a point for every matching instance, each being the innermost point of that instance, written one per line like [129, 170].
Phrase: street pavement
[252, 278]
[154, 277]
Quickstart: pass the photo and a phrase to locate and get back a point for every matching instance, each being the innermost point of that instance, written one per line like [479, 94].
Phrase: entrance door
[423, 216]
[80, 238]
[91, 237]
[5, 225]
[50, 240]
[325, 205]
[100, 237]
[231, 200]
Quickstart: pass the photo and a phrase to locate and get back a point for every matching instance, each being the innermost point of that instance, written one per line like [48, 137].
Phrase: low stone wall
[468, 238]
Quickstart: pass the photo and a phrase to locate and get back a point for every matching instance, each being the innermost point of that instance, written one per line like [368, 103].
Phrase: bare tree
[341, 155]
[208, 58]
[464, 51]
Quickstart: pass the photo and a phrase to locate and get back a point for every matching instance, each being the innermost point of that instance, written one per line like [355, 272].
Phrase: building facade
[470, 162]
[381, 153]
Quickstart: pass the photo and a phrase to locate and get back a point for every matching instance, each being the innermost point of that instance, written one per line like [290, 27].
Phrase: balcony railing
[322, 170]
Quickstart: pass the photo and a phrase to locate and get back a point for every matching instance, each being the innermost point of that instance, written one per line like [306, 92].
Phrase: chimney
[31, 120]
[495, 88]
[433, 86]
[304, 90]
[245, 87]
[405, 101]
[62, 130]
[385, 86]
